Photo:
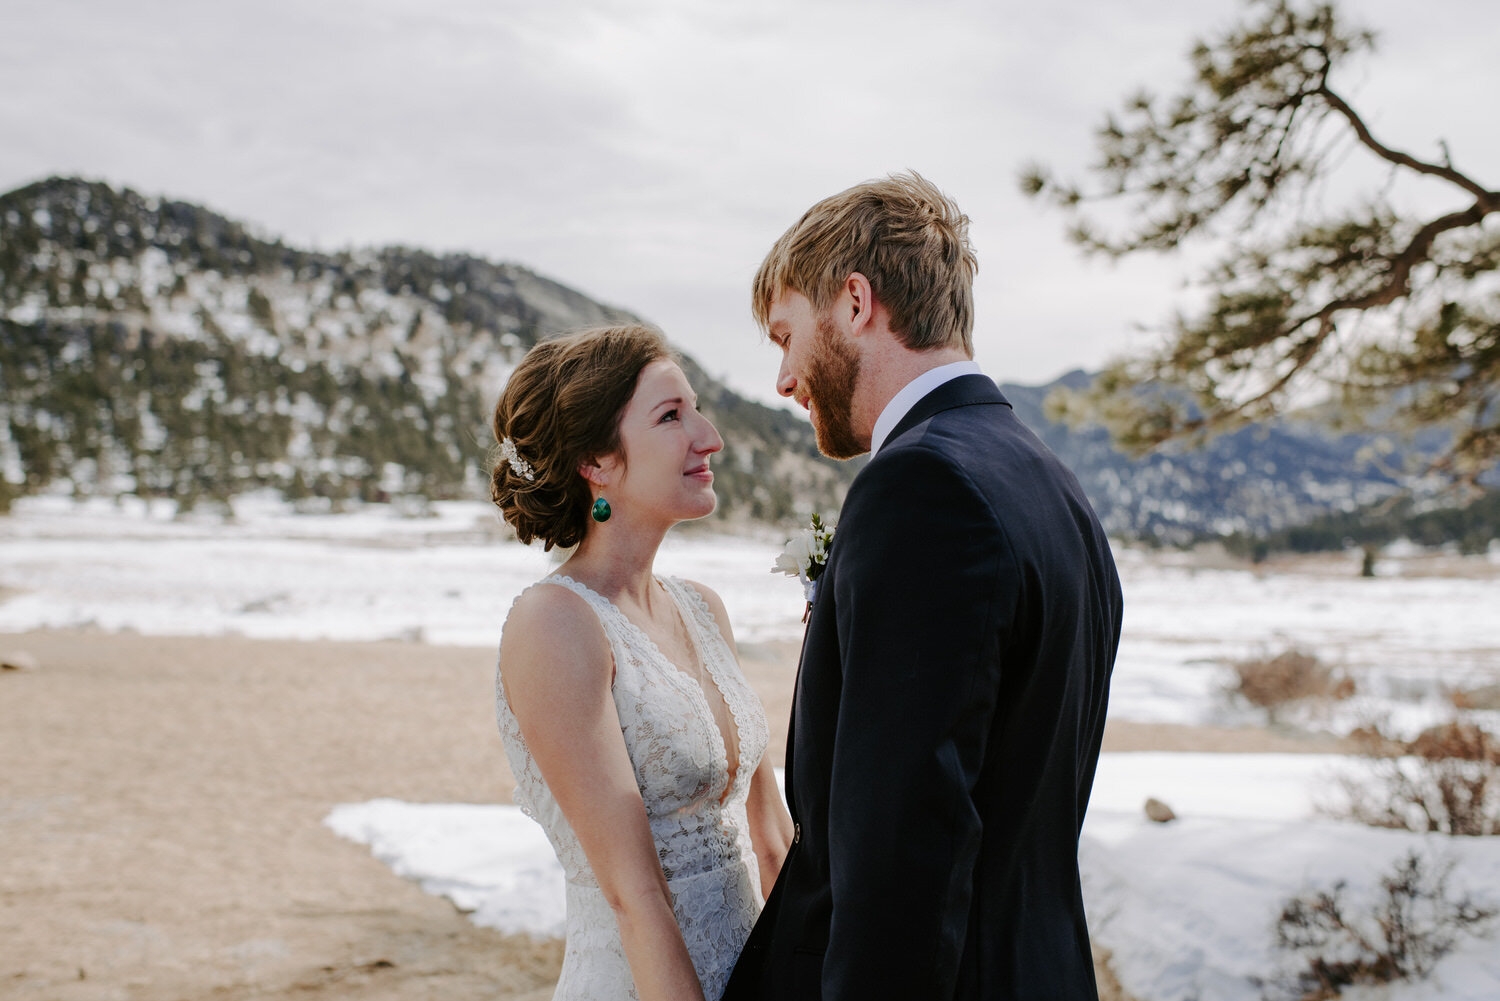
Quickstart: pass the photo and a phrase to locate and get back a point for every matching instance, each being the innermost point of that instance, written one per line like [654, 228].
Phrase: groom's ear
[857, 303]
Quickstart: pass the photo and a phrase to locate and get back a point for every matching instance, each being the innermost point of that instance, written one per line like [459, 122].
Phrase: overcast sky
[648, 153]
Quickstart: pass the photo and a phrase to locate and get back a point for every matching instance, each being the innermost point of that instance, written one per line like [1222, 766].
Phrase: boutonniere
[805, 556]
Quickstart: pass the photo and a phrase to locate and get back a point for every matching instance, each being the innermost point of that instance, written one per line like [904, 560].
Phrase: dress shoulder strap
[694, 609]
[712, 646]
[600, 604]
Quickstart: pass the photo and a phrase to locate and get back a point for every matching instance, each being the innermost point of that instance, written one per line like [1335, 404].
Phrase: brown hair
[561, 408]
[903, 234]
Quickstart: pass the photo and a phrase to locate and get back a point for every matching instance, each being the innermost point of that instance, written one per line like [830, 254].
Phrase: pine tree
[1396, 314]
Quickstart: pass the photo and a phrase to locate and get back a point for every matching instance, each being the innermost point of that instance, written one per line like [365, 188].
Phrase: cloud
[648, 152]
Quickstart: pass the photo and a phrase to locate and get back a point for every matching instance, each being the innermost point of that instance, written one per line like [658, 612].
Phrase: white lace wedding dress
[682, 769]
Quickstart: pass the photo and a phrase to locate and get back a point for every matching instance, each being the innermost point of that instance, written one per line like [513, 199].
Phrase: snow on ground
[1188, 908]
[1407, 641]
[493, 862]
[450, 577]
[375, 573]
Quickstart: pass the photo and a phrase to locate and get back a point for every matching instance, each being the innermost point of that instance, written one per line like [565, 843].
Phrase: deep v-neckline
[690, 624]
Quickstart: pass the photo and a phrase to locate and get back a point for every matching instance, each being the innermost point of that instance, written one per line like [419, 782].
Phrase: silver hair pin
[511, 455]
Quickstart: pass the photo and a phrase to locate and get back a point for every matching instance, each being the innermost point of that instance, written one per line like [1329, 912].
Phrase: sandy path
[161, 815]
[161, 808]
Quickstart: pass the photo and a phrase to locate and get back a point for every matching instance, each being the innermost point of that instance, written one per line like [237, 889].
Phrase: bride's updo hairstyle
[560, 409]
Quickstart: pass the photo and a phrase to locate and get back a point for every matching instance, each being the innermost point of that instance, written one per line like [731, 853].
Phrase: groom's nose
[786, 383]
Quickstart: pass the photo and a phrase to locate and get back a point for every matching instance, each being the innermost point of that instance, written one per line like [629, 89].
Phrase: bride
[633, 737]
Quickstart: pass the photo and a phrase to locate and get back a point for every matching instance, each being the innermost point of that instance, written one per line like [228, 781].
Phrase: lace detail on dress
[697, 815]
[744, 705]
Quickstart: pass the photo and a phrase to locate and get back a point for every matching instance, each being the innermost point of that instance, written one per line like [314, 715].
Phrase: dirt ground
[161, 809]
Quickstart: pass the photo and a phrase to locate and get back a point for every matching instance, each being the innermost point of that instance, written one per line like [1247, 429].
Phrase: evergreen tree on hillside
[251, 365]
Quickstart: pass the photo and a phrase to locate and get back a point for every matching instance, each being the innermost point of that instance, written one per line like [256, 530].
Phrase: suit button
[796, 833]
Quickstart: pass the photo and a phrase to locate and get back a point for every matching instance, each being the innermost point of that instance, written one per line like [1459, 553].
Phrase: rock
[18, 660]
[1158, 811]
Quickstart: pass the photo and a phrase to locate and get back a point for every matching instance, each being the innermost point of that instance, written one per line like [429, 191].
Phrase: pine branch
[1487, 199]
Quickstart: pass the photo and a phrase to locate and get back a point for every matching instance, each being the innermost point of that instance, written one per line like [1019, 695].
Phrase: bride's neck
[617, 562]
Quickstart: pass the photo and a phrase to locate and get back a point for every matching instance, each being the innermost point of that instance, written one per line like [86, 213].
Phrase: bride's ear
[598, 471]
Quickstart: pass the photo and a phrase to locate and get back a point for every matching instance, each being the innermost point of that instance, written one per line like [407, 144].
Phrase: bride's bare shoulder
[552, 633]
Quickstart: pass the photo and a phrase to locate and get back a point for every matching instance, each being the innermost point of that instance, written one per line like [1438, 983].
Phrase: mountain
[1252, 481]
[156, 347]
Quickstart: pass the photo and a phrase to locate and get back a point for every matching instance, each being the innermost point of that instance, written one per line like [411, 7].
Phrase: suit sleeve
[925, 591]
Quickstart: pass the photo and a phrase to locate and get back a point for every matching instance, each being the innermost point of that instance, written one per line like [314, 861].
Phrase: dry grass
[1483, 697]
[1104, 975]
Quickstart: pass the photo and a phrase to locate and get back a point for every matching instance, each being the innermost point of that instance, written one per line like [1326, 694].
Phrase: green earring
[600, 511]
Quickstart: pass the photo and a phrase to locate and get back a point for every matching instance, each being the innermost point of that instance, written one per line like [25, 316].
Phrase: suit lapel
[791, 731]
[966, 390]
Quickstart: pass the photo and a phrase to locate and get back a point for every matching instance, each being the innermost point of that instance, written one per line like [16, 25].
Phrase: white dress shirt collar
[912, 392]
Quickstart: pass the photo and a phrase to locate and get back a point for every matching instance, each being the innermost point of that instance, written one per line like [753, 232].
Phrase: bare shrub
[1458, 739]
[1290, 676]
[1401, 934]
[1446, 781]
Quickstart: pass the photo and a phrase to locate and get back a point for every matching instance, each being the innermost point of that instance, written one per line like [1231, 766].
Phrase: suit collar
[965, 391]
[913, 391]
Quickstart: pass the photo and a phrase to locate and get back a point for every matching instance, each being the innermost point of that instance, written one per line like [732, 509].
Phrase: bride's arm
[770, 824]
[557, 669]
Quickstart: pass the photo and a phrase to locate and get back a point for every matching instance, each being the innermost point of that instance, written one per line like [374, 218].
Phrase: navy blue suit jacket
[946, 724]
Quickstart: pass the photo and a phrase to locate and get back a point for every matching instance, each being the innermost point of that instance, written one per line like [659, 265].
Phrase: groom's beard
[831, 374]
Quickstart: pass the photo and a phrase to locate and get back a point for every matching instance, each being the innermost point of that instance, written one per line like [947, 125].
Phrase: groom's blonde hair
[903, 234]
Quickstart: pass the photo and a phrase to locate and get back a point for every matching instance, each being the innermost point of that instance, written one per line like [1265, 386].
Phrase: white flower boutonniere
[805, 556]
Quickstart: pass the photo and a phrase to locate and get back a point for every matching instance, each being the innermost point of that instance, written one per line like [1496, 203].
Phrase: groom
[951, 694]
